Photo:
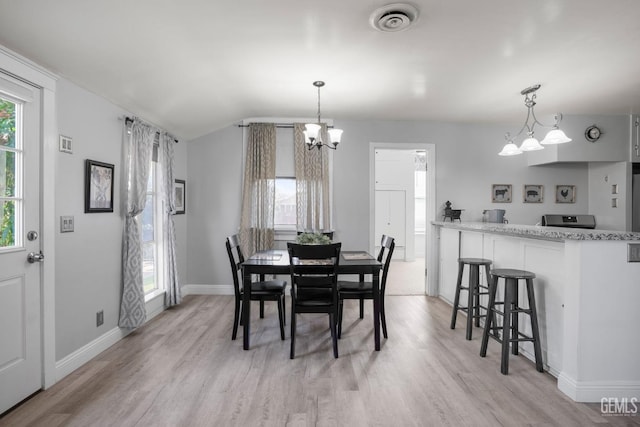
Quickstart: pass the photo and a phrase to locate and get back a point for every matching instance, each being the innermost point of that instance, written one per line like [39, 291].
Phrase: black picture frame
[180, 191]
[98, 186]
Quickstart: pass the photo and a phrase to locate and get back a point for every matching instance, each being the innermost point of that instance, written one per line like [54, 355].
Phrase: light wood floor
[182, 369]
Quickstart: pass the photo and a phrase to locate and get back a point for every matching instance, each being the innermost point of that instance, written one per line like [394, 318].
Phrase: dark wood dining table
[276, 261]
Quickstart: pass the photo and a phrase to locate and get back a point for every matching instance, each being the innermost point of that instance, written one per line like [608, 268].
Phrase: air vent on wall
[393, 17]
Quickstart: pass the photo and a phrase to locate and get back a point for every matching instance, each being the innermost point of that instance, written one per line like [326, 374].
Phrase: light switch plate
[633, 254]
[66, 144]
[66, 224]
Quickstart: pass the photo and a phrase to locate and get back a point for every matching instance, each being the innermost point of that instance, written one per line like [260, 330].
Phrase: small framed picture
[180, 189]
[501, 193]
[98, 187]
[565, 193]
[533, 193]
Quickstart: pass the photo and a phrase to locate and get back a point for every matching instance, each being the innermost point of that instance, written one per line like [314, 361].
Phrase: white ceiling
[194, 66]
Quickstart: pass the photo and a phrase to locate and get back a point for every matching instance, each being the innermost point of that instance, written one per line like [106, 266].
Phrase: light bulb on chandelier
[313, 134]
[554, 136]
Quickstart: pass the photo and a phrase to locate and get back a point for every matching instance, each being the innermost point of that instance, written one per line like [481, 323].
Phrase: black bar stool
[474, 290]
[510, 332]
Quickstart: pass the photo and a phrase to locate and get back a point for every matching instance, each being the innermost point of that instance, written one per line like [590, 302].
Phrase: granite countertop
[540, 232]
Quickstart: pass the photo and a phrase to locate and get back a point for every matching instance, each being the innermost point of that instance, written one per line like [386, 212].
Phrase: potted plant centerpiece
[313, 239]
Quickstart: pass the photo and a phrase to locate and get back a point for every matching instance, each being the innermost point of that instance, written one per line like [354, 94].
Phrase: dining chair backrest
[386, 243]
[235, 259]
[314, 266]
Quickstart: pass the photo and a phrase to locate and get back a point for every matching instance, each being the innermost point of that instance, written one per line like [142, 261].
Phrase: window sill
[153, 295]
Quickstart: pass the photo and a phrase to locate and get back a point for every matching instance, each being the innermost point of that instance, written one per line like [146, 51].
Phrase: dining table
[276, 262]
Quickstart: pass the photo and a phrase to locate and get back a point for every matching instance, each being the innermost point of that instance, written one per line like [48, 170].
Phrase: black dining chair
[263, 290]
[362, 289]
[314, 285]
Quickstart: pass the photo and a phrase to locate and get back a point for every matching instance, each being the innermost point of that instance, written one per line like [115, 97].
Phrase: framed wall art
[565, 193]
[98, 186]
[501, 193]
[180, 189]
[533, 193]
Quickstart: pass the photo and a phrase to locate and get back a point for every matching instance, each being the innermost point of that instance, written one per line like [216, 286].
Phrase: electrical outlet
[633, 254]
[99, 318]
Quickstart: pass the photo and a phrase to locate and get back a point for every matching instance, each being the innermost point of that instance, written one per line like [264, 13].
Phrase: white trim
[595, 391]
[84, 354]
[207, 290]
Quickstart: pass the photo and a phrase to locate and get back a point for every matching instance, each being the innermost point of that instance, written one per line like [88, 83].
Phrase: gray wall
[88, 261]
[466, 160]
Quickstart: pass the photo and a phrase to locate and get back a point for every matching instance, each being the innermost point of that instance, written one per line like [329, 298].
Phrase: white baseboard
[207, 290]
[595, 391]
[73, 361]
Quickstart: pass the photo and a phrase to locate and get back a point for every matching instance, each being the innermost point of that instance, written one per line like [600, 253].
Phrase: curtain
[172, 284]
[258, 193]
[138, 148]
[312, 182]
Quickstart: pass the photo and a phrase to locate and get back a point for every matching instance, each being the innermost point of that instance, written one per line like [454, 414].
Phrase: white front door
[20, 293]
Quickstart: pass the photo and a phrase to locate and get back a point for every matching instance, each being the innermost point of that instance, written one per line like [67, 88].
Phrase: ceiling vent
[393, 17]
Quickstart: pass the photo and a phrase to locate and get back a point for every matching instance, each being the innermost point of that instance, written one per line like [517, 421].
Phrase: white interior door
[20, 292]
[390, 217]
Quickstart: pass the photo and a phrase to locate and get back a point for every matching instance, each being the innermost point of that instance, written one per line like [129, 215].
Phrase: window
[285, 204]
[152, 232]
[10, 166]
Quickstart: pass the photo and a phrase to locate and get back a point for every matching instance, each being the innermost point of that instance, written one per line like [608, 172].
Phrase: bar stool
[473, 292]
[510, 331]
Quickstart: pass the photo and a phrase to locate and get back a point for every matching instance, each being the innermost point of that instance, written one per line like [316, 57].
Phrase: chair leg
[292, 353]
[490, 320]
[262, 309]
[383, 318]
[236, 319]
[362, 308]
[340, 309]
[534, 326]
[514, 320]
[456, 299]
[506, 325]
[334, 334]
[281, 314]
[473, 279]
[284, 310]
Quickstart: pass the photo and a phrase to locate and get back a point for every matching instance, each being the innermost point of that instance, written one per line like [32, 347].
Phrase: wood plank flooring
[182, 369]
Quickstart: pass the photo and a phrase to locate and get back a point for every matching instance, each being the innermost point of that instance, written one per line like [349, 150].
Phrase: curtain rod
[281, 125]
[129, 120]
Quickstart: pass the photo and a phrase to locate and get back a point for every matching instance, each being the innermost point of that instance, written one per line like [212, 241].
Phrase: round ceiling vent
[393, 17]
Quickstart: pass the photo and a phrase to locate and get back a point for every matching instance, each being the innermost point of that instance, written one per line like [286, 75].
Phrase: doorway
[402, 191]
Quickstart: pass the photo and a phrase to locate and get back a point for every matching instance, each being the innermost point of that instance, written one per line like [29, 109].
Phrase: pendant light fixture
[312, 134]
[554, 136]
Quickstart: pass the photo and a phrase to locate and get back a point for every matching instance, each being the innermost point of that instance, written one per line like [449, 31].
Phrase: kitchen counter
[587, 294]
[556, 234]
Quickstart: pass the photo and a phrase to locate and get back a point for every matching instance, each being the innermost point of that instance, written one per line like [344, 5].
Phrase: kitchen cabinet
[586, 297]
[612, 146]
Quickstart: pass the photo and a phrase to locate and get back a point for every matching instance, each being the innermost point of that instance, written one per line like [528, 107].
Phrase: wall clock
[592, 133]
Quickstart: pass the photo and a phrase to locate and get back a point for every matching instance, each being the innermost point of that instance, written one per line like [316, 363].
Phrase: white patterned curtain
[258, 194]
[138, 148]
[312, 182]
[172, 284]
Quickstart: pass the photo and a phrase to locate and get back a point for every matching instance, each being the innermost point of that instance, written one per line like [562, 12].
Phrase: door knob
[35, 257]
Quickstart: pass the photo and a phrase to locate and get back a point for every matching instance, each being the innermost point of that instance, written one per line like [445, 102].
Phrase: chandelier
[530, 143]
[312, 134]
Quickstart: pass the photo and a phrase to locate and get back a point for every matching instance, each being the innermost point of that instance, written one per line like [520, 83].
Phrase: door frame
[23, 69]
[430, 149]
